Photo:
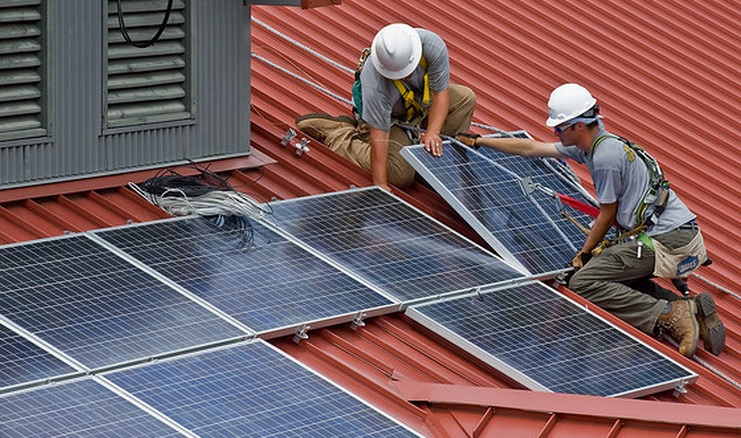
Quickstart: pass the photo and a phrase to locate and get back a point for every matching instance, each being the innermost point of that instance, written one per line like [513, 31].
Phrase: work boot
[712, 331]
[319, 125]
[681, 325]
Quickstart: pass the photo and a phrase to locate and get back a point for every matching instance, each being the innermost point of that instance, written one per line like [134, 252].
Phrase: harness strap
[414, 109]
[655, 199]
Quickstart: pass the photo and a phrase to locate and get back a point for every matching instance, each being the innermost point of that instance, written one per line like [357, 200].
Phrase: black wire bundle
[170, 183]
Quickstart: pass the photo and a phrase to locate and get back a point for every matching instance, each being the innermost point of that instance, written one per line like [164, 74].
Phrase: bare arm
[515, 146]
[379, 155]
[435, 121]
[605, 220]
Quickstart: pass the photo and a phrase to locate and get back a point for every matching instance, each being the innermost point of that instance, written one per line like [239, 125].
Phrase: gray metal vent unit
[149, 84]
[21, 109]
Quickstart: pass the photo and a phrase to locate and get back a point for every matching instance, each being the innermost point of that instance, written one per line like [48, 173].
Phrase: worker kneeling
[663, 238]
[402, 95]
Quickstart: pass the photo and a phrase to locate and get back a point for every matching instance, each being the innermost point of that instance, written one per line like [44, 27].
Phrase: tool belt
[679, 262]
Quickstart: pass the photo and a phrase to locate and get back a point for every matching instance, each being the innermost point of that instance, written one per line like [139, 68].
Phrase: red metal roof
[666, 75]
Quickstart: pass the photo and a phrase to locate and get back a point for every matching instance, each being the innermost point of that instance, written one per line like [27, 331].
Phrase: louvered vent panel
[21, 107]
[147, 85]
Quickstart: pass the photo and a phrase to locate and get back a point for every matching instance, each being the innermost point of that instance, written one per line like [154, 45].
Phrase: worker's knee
[462, 105]
[400, 176]
[579, 283]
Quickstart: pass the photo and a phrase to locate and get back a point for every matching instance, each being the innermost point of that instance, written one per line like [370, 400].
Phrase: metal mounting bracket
[302, 146]
[358, 321]
[287, 137]
[679, 390]
[301, 334]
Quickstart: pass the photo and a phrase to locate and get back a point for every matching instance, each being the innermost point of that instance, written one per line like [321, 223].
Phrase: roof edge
[88, 183]
[571, 404]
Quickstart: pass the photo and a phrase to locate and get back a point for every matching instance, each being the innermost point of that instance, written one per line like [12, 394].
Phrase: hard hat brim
[416, 42]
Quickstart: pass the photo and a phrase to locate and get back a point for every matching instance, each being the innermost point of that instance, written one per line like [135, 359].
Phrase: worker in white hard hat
[659, 234]
[402, 96]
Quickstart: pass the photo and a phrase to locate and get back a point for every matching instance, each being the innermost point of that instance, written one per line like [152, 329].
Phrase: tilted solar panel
[22, 362]
[79, 408]
[548, 343]
[97, 308]
[246, 270]
[389, 243]
[252, 390]
[489, 192]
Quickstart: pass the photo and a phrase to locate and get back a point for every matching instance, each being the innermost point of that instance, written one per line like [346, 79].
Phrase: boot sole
[712, 331]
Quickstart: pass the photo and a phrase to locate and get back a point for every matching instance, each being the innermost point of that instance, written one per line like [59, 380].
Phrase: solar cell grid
[389, 243]
[23, 362]
[80, 408]
[97, 308]
[252, 390]
[551, 341]
[526, 229]
[247, 271]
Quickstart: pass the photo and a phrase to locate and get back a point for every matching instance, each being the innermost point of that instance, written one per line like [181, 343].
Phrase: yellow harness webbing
[414, 109]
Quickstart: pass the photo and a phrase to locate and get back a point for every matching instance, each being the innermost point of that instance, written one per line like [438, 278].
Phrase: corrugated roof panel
[632, 56]
[671, 76]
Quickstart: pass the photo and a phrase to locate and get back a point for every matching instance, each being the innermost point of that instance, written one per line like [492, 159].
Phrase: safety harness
[654, 200]
[413, 108]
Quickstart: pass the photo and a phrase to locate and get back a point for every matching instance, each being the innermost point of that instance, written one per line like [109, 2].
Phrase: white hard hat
[568, 101]
[396, 50]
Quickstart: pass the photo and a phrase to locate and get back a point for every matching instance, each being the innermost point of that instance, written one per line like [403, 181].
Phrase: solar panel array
[247, 271]
[87, 310]
[250, 389]
[487, 188]
[389, 243]
[549, 343]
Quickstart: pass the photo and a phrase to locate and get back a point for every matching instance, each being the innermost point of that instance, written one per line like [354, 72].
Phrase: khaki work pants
[354, 144]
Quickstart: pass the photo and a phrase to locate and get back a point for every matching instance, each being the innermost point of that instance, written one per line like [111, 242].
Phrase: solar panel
[252, 390]
[97, 308]
[247, 271]
[548, 343]
[80, 408]
[528, 230]
[552, 173]
[390, 243]
[23, 362]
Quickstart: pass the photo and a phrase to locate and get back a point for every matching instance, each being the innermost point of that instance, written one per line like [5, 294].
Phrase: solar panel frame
[262, 279]
[97, 310]
[252, 389]
[485, 188]
[547, 342]
[390, 243]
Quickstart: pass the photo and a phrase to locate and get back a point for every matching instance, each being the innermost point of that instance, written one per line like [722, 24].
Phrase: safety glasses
[561, 128]
[570, 124]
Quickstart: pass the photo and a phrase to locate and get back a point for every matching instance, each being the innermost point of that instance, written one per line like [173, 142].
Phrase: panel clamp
[358, 321]
[301, 334]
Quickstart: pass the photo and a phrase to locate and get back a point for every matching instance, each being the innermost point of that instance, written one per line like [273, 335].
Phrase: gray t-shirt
[382, 100]
[617, 178]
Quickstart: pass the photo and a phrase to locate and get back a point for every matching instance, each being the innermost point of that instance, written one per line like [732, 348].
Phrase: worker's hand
[580, 259]
[433, 143]
[467, 139]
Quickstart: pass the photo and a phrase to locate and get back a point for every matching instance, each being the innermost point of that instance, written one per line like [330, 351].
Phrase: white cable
[217, 202]
[302, 46]
[306, 81]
